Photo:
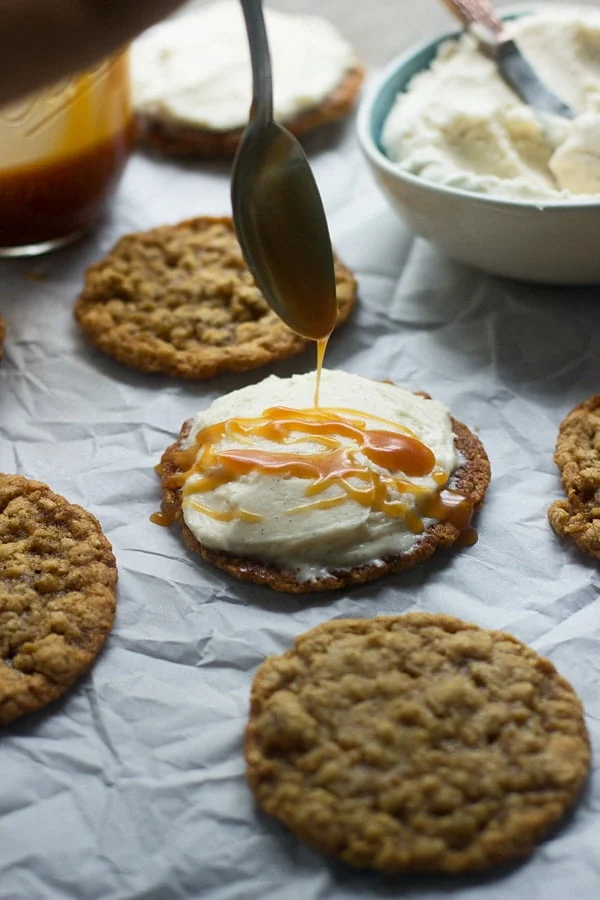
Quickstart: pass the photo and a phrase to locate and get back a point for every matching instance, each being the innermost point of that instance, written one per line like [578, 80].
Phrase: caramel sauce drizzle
[162, 518]
[321, 348]
[399, 453]
[343, 437]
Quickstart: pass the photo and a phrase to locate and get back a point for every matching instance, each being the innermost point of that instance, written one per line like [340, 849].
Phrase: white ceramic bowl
[556, 243]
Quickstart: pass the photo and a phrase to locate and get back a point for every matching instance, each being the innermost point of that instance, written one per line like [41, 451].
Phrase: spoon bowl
[277, 209]
[281, 227]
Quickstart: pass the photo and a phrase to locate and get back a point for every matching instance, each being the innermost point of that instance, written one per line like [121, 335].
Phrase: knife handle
[477, 12]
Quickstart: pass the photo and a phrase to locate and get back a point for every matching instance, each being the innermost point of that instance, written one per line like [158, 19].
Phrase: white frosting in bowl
[461, 125]
[195, 70]
[314, 541]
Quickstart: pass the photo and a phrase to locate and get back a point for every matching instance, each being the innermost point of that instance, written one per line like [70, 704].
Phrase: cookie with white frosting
[273, 490]
[191, 78]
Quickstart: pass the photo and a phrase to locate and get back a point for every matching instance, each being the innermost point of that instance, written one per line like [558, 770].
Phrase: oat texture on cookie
[180, 300]
[578, 458]
[57, 594]
[415, 742]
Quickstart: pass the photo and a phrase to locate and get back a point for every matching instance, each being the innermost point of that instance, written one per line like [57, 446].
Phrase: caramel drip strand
[321, 348]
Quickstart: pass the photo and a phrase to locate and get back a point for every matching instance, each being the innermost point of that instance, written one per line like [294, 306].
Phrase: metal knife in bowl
[488, 29]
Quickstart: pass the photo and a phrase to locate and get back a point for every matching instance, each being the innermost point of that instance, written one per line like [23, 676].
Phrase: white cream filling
[316, 541]
[461, 125]
[195, 70]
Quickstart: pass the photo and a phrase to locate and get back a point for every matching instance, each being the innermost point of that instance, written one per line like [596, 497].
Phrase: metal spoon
[277, 210]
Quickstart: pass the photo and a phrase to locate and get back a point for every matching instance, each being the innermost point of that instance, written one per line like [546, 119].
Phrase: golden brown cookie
[471, 480]
[180, 300]
[57, 594]
[415, 743]
[185, 140]
[577, 456]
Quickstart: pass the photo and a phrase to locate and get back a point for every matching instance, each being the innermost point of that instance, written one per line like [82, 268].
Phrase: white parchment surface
[132, 787]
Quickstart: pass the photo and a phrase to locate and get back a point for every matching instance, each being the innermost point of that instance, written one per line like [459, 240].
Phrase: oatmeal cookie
[57, 594]
[179, 139]
[415, 743]
[577, 456]
[471, 480]
[180, 300]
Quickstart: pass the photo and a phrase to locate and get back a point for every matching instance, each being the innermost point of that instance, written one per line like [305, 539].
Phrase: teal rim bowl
[544, 241]
[380, 98]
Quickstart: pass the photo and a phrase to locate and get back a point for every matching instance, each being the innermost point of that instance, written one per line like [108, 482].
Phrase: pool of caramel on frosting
[344, 437]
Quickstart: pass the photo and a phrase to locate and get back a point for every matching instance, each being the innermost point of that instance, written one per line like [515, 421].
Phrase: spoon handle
[262, 84]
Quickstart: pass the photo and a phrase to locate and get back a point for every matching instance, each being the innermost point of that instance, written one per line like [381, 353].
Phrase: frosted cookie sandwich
[275, 490]
[192, 83]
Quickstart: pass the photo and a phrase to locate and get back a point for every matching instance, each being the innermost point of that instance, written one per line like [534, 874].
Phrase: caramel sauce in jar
[62, 153]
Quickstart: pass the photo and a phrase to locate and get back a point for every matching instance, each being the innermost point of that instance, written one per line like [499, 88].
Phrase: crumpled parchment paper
[132, 787]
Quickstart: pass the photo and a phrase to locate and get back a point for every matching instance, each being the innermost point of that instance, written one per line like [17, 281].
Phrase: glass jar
[62, 153]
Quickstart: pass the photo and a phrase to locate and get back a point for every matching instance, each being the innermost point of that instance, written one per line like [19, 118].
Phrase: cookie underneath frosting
[57, 594]
[275, 491]
[578, 458]
[179, 299]
[191, 78]
[415, 743]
